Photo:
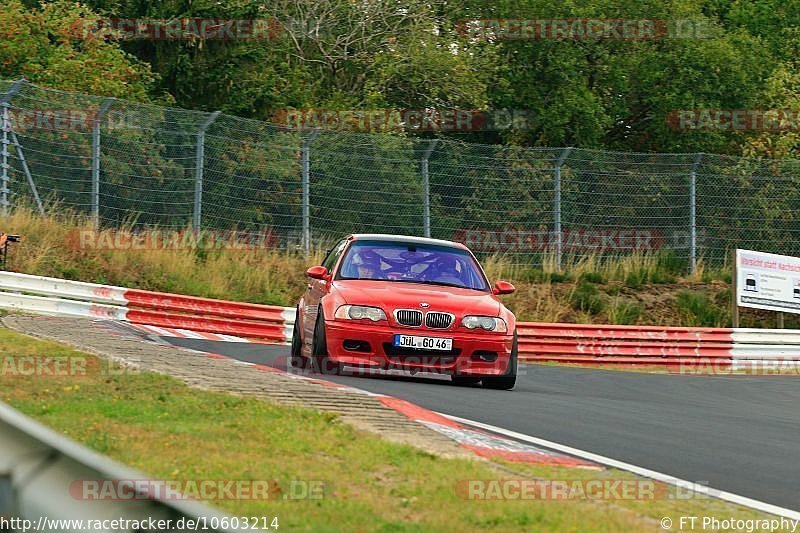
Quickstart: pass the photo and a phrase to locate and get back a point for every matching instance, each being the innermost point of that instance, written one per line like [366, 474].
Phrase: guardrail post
[557, 205]
[305, 157]
[198, 169]
[96, 160]
[426, 189]
[734, 290]
[4, 99]
[7, 499]
[693, 214]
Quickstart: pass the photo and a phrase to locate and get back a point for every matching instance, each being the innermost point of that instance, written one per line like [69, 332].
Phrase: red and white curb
[479, 442]
[188, 334]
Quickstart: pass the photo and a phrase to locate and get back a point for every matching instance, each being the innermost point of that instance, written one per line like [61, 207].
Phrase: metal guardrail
[38, 467]
[659, 345]
[617, 344]
[59, 297]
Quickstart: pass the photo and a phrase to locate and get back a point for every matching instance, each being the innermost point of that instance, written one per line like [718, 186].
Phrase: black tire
[509, 378]
[465, 381]
[297, 360]
[319, 348]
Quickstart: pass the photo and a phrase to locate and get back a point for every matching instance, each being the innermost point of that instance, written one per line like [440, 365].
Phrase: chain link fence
[148, 166]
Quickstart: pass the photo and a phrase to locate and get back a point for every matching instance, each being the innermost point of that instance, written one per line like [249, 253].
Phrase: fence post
[557, 205]
[96, 160]
[27, 172]
[4, 99]
[305, 153]
[693, 214]
[426, 189]
[198, 169]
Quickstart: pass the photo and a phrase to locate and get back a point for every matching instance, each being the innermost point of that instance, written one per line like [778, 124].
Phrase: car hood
[402, 295]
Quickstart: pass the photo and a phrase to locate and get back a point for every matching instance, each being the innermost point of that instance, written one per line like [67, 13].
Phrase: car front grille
[436, 320]
[409, 317]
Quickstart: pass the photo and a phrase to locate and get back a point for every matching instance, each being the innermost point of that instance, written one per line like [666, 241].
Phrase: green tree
[619, 93]
[54, 46]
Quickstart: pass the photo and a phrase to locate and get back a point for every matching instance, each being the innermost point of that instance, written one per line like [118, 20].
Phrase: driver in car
[369, 265]
[448, 271]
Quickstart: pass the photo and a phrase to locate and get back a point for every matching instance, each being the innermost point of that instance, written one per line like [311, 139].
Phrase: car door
[316, 289]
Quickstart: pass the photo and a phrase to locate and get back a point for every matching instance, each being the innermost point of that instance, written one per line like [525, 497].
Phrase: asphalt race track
[733, 433]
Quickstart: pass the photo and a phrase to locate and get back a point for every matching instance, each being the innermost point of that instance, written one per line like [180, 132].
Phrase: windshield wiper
[442, 283]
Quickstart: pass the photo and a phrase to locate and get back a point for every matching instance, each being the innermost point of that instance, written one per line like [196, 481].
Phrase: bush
[624, 312]
[587, 298]
[668, 263]
[636, 279]
[592, 277]
[696, 309]
[613, 290]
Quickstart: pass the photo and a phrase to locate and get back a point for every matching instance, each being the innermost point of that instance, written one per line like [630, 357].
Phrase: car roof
[409, 239]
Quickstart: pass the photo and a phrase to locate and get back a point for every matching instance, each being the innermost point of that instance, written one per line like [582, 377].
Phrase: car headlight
[489, 323]
[359, 312]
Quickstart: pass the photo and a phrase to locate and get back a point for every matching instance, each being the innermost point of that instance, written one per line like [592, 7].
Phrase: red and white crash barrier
[655, 345]
[53, 296]
[189, 316]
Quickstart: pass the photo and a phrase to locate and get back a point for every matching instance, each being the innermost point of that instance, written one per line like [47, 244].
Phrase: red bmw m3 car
[417, 304]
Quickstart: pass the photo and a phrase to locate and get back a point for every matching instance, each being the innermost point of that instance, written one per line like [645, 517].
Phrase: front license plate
[424, 343]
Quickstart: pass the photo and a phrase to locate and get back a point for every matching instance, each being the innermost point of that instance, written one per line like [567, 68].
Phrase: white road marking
[652, 474]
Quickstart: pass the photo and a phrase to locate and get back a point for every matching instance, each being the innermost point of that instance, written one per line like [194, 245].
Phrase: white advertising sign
[768, 281]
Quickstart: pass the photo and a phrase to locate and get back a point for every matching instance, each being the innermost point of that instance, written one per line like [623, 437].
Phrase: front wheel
[509, 378]
[297, 360]
[319, 349]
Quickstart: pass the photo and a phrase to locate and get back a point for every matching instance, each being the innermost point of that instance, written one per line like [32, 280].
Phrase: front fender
[329, 304]
[298, 317]
[510, 319]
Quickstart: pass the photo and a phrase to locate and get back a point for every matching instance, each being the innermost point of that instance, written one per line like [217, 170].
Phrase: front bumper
[371, 345]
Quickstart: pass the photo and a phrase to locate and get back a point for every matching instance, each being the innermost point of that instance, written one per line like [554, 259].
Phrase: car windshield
[416, 263]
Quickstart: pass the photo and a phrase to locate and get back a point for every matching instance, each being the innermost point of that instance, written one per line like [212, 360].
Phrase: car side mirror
[317, 272]
[503, 287]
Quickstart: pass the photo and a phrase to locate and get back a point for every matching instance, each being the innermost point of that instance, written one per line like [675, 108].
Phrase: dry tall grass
[50, 247]
[636, 289]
